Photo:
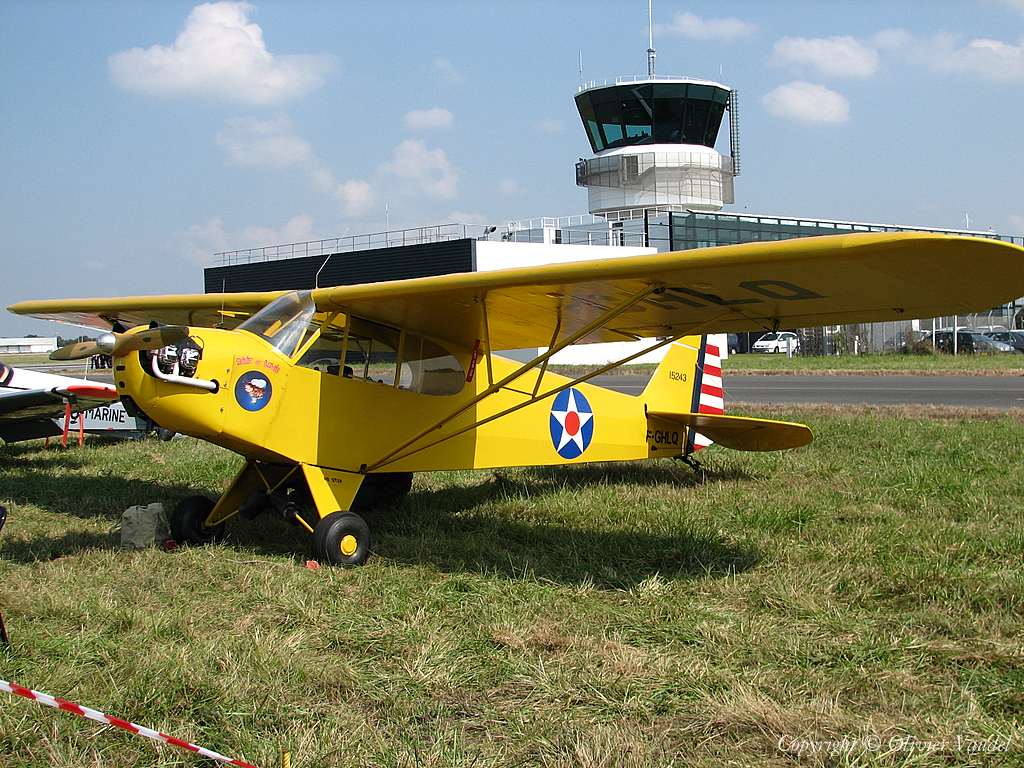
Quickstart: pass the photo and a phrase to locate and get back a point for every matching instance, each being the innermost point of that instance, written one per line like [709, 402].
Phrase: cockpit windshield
[284, 321]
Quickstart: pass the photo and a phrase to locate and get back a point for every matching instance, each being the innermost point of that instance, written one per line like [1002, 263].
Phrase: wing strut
[493, 387]
[401, 452]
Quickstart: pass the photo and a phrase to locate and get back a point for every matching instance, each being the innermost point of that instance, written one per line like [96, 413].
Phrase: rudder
[688, 379]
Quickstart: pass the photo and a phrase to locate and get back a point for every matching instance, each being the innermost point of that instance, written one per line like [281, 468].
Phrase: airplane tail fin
[685, 395]
[688, 380]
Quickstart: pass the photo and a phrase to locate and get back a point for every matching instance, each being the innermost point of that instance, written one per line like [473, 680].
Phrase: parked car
[1014, 338]
[777, 342]
[969, 342]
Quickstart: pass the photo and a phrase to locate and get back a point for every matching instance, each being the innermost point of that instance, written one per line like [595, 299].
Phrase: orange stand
[67, 426]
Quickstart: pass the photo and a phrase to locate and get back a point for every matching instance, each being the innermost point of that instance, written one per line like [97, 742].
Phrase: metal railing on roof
[387, 239]
[627, 79]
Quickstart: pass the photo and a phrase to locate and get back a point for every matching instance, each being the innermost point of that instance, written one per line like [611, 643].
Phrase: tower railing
[627, 79]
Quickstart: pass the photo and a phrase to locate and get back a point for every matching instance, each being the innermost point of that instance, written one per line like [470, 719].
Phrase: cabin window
[372, 352]
[381, 354]
[324, 354]
[427, 368]
[284, 322]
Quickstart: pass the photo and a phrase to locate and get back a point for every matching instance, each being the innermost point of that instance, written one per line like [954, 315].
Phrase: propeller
[120, 344]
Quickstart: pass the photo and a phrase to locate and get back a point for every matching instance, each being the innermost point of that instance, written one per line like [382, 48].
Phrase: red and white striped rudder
[712, 393]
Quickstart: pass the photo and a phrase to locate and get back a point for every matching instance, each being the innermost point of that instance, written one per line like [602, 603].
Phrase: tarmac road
[959, 391]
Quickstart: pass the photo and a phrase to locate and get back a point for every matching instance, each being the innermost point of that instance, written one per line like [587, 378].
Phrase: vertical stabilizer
[710, 394]
[688, 380]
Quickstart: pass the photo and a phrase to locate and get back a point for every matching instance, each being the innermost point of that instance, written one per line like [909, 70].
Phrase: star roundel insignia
[572, 423]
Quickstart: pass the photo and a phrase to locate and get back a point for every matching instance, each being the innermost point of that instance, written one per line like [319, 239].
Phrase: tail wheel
[186, 521]
[342, 538]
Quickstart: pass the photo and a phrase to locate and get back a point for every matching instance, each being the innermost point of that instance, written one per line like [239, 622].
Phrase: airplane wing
[32, 404]
[802, 282]
[220, 310]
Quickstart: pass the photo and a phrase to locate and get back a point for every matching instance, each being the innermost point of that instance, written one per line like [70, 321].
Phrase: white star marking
[560, 418]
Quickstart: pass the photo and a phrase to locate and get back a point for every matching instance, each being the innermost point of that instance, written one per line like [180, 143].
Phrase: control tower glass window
[652, 113]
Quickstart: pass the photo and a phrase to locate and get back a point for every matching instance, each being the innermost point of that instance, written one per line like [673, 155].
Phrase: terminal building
[28, 345]
[655, 182]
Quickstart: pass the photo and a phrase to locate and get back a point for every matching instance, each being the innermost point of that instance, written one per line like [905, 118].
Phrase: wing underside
[32, 404]
[796, 283]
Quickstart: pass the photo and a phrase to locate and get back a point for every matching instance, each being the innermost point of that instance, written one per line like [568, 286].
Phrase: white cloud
[835, 56]
[1016, 223]
[200, 242]
[509, 188]
[807, 103]
[253, 143]
[892, 40]
[250, 142]
[219, 54]
[550, 125]
[356, 196]
[428, 119]
[983, 57]
[465, 217]
[297, 229]
[695, 28]
[428, 169]
[1015, 5]
[447, 70]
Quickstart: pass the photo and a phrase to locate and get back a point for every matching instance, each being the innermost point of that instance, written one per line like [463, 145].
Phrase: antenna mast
[651, 55]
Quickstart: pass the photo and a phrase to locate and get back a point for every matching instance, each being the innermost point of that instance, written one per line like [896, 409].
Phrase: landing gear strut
[323, 501]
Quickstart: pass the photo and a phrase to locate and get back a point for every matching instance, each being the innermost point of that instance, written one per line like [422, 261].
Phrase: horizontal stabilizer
[742, 433]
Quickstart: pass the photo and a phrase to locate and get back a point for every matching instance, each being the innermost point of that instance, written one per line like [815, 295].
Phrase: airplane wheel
[186, 521]
[342, 538]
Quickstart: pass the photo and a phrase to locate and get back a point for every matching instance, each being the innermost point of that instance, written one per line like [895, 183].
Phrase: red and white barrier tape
[99, 717]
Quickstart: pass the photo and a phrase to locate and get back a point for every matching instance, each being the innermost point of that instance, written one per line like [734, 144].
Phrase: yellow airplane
[335, 396]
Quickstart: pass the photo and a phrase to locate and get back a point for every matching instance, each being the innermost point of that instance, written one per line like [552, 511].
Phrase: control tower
[654, 139]
[654, 144]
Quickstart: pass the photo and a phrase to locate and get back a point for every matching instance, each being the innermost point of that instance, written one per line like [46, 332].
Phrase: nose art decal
[253, 390]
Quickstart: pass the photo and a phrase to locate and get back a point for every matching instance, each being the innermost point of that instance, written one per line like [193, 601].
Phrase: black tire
[186, 521]
[382, 489]
[342, 538]
[165, 434]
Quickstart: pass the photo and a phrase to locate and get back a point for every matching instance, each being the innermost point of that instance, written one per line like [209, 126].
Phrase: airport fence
[900, 336]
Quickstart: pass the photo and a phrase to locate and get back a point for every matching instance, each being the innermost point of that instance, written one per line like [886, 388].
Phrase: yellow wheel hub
[348, 545]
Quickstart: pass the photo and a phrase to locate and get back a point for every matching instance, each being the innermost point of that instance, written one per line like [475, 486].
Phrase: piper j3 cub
[335, 396]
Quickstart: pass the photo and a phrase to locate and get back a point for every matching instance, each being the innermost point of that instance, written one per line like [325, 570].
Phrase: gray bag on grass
[144, 526]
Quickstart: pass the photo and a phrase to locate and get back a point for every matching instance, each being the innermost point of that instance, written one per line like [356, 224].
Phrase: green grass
[986, 365]
[975, 365]
[869, 586]
[26, 358]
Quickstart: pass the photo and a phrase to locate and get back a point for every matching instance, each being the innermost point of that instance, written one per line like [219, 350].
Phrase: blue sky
[139, 138]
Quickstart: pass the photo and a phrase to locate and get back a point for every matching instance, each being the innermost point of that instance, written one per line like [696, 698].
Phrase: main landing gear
[325, 502]
[342, 538]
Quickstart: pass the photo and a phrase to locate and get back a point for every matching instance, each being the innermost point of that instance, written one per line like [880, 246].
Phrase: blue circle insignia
[253, 390]
[572, 423]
